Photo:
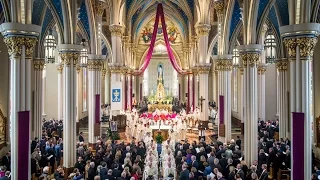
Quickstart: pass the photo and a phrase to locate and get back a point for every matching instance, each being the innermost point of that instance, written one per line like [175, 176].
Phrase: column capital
[224, 64]
[100, 7]
[68, 58]
[94, 64]
[203, 29]
[203, 68]
[116, 30]
[219, 7]
[262, 68]
[115, 68]
[15, 43]
[241, 70]
[38, 64]
[104, 72]
[78, 68]
[282, 64]
[306, 47]
[291, 45]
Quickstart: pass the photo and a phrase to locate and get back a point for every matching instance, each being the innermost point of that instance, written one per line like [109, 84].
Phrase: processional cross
[201, 103]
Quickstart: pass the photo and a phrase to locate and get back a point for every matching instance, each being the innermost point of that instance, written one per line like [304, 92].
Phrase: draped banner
[173, 61]
[116, 96]
[297, 146]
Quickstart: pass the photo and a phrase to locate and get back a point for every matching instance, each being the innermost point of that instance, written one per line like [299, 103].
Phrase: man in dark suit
[238, 142]
[264, 173]
[103, 171]
[116, 172]
[91, 171]
[81, 139]
[6, 161]
[184, 175]
[240, 171]
[194, 163]
[109, 175]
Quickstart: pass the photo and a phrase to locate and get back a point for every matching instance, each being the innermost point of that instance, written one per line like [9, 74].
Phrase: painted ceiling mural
[172, 30]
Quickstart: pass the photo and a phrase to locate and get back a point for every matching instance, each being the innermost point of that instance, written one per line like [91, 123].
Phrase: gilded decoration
[116, 30]
[203, 30]
[306, 46]
[94, 64]
[38, 64]
[104, 72]
[224, 64]
[69, 58]
[203, 69]
[244, 60]
[262, 69]
[14, 45]
[60, 69]
[252, 59]
[282, 65]
[219, 7]
[29, 44]
[78, 69]
[115, 69]
[100, 8]
[241, 70]
[291, 45]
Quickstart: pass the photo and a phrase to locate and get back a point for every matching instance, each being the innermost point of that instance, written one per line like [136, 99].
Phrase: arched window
[83, 64]
[235, 57]
[50, 47]
[270, 47]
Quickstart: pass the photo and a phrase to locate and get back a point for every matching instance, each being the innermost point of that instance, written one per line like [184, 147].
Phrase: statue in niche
[160, 89]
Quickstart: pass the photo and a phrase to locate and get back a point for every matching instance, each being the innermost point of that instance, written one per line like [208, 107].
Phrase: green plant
[113, 135]
[159, 139]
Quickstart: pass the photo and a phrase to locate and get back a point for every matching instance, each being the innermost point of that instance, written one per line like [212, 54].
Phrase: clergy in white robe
[169, 171]
[150, 170]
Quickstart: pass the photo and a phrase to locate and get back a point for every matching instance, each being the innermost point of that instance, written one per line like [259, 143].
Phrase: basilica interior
[88, 79]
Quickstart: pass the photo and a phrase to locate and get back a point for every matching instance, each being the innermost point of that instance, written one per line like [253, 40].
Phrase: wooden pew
[283, 174]
[271, 172]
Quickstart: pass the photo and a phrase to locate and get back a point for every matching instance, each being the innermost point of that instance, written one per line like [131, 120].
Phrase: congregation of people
[143, 158]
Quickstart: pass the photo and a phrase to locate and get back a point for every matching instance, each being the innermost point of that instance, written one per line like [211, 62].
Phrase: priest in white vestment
[169, 171]
[150, 170]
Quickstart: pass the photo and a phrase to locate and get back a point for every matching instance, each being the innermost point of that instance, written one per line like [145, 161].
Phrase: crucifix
[201, 99]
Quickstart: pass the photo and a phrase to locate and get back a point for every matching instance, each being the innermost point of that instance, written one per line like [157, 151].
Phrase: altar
[154, 107]
[164, 129]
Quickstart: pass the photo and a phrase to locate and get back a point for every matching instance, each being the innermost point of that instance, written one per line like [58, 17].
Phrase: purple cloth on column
[140, 91]
[97, 113]
[221, 109]
[23, 143]
[188, 108]
[193, 93]
[297, 146]
[130, 90]
[179, 92]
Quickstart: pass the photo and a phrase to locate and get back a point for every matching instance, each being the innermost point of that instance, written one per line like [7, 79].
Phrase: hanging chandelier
[50, 47]
[83, 54]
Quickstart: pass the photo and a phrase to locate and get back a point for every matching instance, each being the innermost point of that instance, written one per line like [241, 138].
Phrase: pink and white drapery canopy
[173, 61]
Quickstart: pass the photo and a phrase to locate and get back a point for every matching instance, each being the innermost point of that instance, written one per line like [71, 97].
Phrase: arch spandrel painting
[172, 30]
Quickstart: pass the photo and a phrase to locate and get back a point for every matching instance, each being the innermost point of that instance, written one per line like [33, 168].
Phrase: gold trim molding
[306, 46]
[100, 8]
[219, 7]
[60, 69]
[262, 68]
[203, 30]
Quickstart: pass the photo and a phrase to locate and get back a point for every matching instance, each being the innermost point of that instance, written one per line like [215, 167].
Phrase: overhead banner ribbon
[173, 61]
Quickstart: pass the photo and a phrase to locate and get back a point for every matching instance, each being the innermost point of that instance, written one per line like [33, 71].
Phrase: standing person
[81, 139]
[6, 161]
[238, 142]
[184, 175]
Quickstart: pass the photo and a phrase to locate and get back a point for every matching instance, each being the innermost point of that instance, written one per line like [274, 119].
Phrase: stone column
[94, 66]
[107, 87]
[38, 101]
[20, 43]
[117, 61]
[79, 90]
[224, 66]
[203, 68]
[60, 91]
[249, 57]
[300, 52]
[242, 98]
[262, 91]
[69, 59]
[195, 90]
[282, 66]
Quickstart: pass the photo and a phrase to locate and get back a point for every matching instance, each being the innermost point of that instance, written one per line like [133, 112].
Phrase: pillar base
[67, 171]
